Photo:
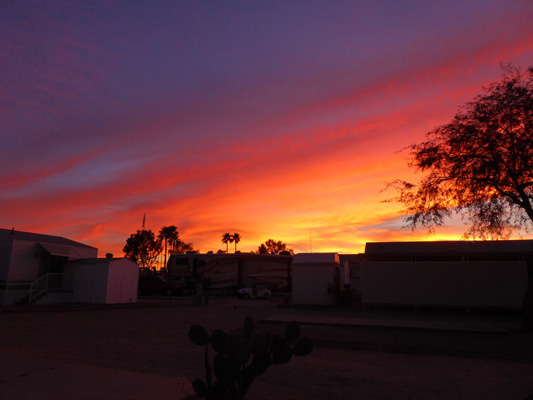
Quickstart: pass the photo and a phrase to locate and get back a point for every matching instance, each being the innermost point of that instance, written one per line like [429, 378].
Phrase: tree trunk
[165, 266]
[527, 304]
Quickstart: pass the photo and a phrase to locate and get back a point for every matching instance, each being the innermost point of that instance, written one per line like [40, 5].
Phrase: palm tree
[236, 239]
[168, 234]
[227, 238]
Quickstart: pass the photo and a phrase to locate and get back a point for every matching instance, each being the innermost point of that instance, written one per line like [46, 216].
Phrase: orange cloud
[297, 153]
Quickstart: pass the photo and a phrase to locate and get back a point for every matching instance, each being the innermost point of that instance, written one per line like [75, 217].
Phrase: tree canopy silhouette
[236, 238]
[168, 235]
[272, 246]
[479, 165]
[143, 248]
[180, 247]
[227, 238]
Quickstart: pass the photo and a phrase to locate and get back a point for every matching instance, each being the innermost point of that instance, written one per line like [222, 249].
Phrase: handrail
[50, 281]
[38, 287]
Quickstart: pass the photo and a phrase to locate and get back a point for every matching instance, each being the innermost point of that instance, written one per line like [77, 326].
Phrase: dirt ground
[347, 362]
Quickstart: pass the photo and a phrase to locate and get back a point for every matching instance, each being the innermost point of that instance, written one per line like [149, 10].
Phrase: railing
[48, 282]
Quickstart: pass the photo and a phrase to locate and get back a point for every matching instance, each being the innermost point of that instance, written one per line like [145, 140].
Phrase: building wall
[5, 256]
[26, 258]
[25, 261]
[310, 283]
[469, 284]
[89, 282]
[102, 281]
[123, 282]
[354, 261]
[21, 269]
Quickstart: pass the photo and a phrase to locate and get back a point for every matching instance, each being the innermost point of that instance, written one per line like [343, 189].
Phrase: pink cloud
[108, 130]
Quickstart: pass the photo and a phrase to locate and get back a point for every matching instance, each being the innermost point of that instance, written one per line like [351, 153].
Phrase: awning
[61, 250]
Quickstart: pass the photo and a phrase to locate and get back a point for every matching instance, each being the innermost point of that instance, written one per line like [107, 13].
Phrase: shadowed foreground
[348, 362]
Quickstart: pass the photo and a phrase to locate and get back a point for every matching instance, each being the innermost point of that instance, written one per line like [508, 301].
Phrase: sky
[272, 119]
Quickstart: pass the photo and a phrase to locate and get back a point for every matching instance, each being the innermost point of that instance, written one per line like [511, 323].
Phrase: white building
[462, 274]
[47, 269]
[316, 277]
[104, 280]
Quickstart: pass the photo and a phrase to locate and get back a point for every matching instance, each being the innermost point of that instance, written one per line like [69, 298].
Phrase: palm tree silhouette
[236, 239]
[168, 234]
[227, 238]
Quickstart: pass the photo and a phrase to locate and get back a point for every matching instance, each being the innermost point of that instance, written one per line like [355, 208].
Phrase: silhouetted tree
[236, 239]
[168, 235]
[479, 166]
[143, 248]
[180, 247]
[273, 247]
[227, 238]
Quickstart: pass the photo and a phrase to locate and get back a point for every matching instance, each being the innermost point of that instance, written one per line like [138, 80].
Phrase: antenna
[144, 220]
[310, 242]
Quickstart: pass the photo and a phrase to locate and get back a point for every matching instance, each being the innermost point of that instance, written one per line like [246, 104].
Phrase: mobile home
[460, 274]
[30, 260]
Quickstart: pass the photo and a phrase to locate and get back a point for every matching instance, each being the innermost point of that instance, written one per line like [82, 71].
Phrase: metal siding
[461, 247]
[123, 282]
[5, 256]
[89, 282]
[444, 284]
[25, 263]
[316, 258]
[310, 283]
[72, 252]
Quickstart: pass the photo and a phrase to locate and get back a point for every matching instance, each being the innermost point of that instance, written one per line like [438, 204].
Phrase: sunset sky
[273, 119]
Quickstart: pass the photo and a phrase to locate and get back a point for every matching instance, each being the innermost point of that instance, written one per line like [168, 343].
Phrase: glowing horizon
[269, 120]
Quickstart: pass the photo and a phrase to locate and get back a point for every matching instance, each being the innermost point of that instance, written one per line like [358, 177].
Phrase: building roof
[462, 247]
[72, 252]
[233, 256]
[351, 258]
[43, 240]
[316, 258]
[100, 260]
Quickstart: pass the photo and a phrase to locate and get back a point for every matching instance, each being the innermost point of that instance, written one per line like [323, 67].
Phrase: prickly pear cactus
[242, 357]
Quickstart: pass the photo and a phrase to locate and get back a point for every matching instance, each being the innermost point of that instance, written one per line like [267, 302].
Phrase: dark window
[495, 257]
[439, 258]
[389, 257]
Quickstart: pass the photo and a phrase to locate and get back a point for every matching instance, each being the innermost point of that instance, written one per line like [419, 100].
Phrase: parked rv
[228, 272]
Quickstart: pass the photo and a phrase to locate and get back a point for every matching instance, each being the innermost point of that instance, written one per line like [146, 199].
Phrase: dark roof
[462, 247]
[233, 256]
[351, 257]
[39, 237]
[72, 252]
[316, 258]
[92, 261]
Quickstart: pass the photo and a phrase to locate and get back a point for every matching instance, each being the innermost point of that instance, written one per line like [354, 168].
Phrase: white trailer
[461, 274]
